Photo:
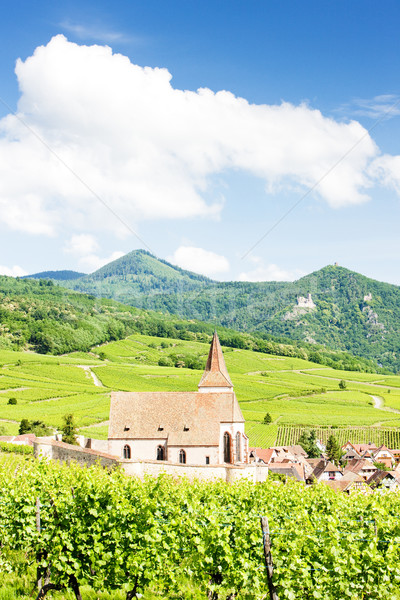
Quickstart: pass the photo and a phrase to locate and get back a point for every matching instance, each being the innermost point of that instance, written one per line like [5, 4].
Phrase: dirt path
[19, 389]
[88, 369]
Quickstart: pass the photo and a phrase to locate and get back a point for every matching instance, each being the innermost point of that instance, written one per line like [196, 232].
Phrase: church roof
[183, 418]
[216, 373]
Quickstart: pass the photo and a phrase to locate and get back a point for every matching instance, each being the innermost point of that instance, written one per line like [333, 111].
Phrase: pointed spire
[216, 374]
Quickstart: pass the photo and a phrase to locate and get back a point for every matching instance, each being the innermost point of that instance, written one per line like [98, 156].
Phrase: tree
[308, 441]
[342, 384]
[267, 419]
[68, 429]
[39, 428]
[334, 450]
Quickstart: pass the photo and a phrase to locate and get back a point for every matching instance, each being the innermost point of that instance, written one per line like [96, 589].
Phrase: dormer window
[160, 428]
[185, 428]
[126, 428]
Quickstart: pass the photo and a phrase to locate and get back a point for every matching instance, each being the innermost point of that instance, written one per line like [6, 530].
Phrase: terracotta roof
[25, 438]
[216, 373]
[182, 418]
[288, 468]
[345, 483]
[296, 449]
[264, 454]
[356, 465]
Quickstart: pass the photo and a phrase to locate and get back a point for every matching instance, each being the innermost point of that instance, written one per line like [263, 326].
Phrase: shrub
[12, 401]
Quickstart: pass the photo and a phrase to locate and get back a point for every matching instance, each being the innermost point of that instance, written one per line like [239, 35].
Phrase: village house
[205, 427]
[349, 483]
[363, 467]
[384, 480]
[325, 470]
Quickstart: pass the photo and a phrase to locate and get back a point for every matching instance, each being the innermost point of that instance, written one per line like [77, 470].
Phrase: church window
[227, 447]
[160, 453]
[207, 460]
[238, 447]
[127, 451]
[182, 457]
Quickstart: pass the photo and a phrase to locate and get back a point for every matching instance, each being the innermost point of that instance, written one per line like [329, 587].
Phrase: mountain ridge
[352, 311]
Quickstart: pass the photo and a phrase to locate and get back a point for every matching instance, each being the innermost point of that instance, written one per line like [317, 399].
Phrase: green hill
[352, 312]
[41, 316]
[56, 275]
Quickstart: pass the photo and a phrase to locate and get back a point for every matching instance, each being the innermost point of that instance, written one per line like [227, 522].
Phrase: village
[202, 435]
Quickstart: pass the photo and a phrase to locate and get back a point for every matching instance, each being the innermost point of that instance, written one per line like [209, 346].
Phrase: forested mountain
[351, 313]
[56, 275]
[47, 318]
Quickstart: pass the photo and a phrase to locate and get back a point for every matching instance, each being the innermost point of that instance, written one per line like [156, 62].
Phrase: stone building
[194, 428]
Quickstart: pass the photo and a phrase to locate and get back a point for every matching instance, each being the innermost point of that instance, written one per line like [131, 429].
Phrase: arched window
[127, 451]
[160, 452]
[182, 457]
[227, 448]
[238, 447]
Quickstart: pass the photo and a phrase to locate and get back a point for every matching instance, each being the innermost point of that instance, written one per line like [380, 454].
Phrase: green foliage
[342, 384]
[16, 448]
[68, 429]
[39, 428]
[267, 419]
[334, 450]
[307, 441]
[120, 534]
[12, 401]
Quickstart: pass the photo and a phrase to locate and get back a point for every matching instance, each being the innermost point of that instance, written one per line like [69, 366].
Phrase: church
[205, 427]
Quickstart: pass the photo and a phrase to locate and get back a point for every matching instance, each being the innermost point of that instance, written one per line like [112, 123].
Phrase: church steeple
[216, 376]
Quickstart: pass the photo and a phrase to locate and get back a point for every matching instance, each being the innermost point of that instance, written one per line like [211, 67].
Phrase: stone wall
[66, 453]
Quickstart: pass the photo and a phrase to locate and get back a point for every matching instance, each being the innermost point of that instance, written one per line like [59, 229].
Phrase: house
[325, 470]
[262, 455]
[349, 483]
[288, 469]
[205, 427]
[388, 480]
[363, 467]
[385, 456]
[357, 451]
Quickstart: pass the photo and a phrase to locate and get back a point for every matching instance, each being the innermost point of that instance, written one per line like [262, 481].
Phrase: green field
[295, 392]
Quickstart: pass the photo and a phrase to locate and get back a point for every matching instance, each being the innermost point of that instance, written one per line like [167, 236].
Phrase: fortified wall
[55, 450]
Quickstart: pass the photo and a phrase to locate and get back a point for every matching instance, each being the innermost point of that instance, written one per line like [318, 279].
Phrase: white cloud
[199, 260]
[386, 169]
[92, 262]
[150, 150]
[83, 247]
[270, 272]
[384, 105]
[81, 244]
[15, 271]
[96, 33]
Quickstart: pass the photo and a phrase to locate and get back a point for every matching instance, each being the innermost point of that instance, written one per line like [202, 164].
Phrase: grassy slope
[293, 391]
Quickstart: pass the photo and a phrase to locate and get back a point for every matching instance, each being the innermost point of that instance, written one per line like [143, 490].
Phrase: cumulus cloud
[199, 260]
[15, 271]
[150, 150]
[270, 272]
[83, 247]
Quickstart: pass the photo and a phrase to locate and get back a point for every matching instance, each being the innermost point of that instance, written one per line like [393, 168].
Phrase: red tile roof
[216, 373]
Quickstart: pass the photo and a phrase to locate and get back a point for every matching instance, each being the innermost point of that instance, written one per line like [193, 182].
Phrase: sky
[245, 140]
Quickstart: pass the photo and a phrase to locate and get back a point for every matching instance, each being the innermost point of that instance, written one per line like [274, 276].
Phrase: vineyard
[88, 529]
[288, 435]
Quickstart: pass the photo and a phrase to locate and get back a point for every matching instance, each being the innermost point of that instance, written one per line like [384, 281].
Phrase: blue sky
[200, 177]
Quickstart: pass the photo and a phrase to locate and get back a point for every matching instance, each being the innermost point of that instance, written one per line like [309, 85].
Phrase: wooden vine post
[39, 576]
[268, 557]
